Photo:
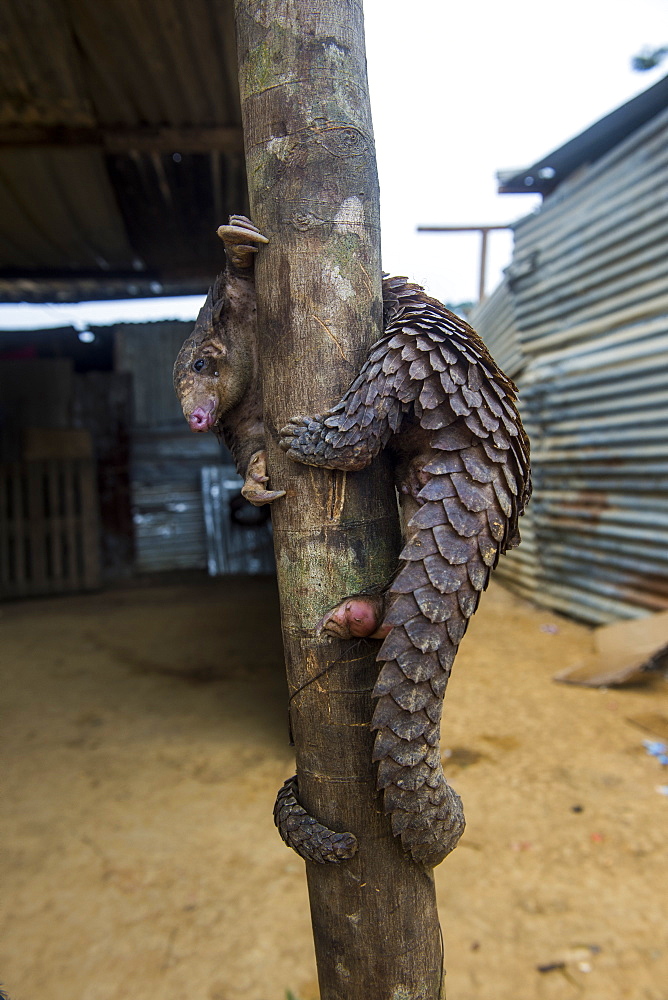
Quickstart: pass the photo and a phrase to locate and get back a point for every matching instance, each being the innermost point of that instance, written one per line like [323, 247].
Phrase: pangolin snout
[201, 419]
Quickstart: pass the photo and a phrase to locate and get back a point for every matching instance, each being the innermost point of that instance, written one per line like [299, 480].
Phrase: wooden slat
[4, 538]
[89, 526]
[17, 535]
[48, 527]
[35, 533]
[54, 533]
[69, 522]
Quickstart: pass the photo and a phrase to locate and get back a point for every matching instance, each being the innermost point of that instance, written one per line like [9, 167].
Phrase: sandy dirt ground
[139, 858]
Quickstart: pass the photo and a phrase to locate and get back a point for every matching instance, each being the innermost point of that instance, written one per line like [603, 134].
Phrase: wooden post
[314, 192]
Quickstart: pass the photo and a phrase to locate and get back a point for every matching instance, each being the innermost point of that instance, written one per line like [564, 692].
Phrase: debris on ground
[626, 652]
[655, 748]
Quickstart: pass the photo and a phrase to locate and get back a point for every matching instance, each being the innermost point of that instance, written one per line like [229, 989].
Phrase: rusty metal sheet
[581, 321]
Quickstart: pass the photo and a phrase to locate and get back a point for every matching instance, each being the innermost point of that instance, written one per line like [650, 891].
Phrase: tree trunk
[314, 192]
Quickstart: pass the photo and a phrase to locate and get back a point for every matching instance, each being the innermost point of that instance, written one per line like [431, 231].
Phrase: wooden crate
[48, 527]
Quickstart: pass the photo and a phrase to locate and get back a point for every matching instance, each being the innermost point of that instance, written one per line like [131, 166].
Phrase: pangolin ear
[214, 348]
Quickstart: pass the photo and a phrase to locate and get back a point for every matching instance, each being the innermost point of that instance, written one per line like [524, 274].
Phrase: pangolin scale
[431, 392]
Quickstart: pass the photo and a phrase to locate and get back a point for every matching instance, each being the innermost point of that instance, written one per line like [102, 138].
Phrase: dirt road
[139, 858]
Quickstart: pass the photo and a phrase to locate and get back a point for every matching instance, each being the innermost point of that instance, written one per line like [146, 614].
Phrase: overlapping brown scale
[373, 389]
[434, 605]
[478, 465]
[474, 377]
[433, 364]
[420, 368]
[424, 343]
[478, 574]
[367, 417]
[474, 424]
[407, 725]
[391, 773]
[385, 716]
[476, 497]
[509, 424]
[497, 524]
[462, 520]
[431, 394]
[510, 478]
[441, 416]
[399, 341]
[392, 362]
[497, 455]
[489, 549]
[407, 391]
[439, 682]
[386, 743]
[443, 463]
[458, 403]
[425, 635]
[445, 578]
[389, 676]
[503, 497]
[487, 420]
[446, 381]
[471, 397]
[459, 373]
[310, 839]
[418, 666]
[449, 356]
[492, 399]
[402, 608]
[456, 626]
[395, 416]
[437, 488]
[409, 754]
[452, 546]
[501, 438]
[429, 515]
[437, 362]
[410, 578]
[452, 438]
[400, 819]
[410, 352]
[418, 546]
[412, 697]
[397, 641]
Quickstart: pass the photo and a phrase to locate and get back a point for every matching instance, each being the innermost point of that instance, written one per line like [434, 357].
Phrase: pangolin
[216, 375]
[430, 392]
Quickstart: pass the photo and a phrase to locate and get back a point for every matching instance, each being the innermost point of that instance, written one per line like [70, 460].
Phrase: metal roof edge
[546, 174]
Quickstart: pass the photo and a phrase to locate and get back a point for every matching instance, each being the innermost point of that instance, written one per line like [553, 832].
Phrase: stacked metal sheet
[581, 323]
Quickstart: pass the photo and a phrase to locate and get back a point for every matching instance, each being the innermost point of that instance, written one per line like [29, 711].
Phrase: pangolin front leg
[430, 390]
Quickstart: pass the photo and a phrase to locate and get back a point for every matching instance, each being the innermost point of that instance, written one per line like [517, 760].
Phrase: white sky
[459, 91]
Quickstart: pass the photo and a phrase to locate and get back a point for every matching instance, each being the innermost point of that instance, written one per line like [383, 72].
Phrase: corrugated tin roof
[582, 321]
[120, 146]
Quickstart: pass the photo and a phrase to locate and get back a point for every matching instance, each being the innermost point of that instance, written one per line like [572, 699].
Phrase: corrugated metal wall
[165, 457]
[582, 325]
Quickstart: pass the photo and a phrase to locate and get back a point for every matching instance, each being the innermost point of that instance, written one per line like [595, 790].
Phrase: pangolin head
[206, 377]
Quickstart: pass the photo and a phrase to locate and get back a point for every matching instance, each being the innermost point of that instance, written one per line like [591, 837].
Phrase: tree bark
[314, 192]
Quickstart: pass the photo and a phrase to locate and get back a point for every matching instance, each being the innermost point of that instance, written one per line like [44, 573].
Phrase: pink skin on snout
[202, 418]
[355, 617]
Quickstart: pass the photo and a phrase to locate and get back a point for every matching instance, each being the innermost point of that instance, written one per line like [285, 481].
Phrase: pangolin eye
[199, 364]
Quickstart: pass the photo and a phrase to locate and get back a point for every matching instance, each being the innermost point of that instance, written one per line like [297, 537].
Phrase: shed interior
[120, 153]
